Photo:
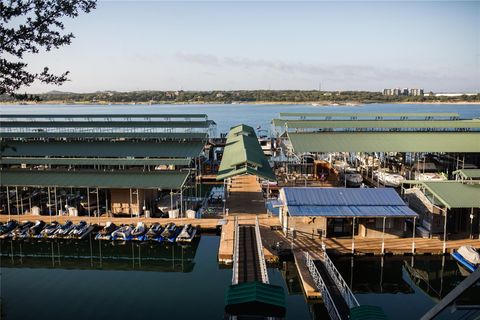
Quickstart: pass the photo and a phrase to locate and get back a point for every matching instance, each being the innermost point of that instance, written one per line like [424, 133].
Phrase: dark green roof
[96, 161]
[378, 124]
[243, 155]
[367, 313]
[455, 194]
[468, 173]
[385, 142]
[104, 116]
[102, 149]
[94, 179]
[85, 135]
[369, 115]
[255, 291]
[106, 124]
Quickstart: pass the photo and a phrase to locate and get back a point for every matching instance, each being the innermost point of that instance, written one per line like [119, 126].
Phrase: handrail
[261, 257]
[236, 246]
[342, 286]
[317, 278]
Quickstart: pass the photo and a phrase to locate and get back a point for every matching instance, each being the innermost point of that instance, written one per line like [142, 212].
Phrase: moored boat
[138, 231]
[80, 230]
[21, 231]
[122, 233]
[390, 179]
[168, 232]
[49, 230]
[63, 230]
[153, 232]
[106, 232]
[35, 230]
[468, 257]
[8, 227]
[187, 234]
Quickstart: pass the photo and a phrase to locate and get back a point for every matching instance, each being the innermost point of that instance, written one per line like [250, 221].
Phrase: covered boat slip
[336, 212]
[371, 115]
[467, 174]
[450, 208]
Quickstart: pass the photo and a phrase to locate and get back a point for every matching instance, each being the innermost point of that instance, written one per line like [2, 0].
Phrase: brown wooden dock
[308, 285]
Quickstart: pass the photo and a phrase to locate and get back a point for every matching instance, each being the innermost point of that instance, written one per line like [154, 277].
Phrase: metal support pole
[98, 206]
[16, 197]
[130, 206]
[21, 204]
[413, 235]
[106, 202]
[29, 201]
[88, 201]
[353, 236]
[138, 204]
[383, 236]
[445, 232]
[56, 202]
[171, 199]
[49, 205]
[181, 202]
[8, 203]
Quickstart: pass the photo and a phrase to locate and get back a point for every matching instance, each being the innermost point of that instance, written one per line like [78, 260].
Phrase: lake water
[228, 115]
[93, 280]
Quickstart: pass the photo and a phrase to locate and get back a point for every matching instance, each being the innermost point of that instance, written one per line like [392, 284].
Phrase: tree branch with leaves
[27, 26]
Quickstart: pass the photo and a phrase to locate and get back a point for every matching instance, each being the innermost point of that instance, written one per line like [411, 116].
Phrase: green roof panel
[385, 142]
[99, 179]
[468, 173]
[96, 161]
[455, 194]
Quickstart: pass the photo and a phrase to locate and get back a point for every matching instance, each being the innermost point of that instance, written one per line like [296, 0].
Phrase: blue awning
[343, 202]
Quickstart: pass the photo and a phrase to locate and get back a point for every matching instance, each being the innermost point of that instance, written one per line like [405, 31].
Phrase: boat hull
[463, 262]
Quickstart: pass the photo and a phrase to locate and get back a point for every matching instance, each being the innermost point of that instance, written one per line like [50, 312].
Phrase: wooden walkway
[248, 257]
[245, 196]
[308, 285]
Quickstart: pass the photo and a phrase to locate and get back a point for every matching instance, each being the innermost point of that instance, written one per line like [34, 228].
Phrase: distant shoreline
[319, 104]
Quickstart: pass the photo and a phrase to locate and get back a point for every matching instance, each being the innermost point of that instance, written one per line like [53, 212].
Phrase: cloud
[346, 71]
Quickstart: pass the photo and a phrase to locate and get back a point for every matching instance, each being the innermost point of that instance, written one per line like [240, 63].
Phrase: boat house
[98, 163]
[336, 212]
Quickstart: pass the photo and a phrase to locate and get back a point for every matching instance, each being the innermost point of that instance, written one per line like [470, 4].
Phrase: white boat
[390, 179]
[187, 234]
[352, 178]
[468, 257]
[139, 230]
[266, 143]
[430, 176]
[122, 233]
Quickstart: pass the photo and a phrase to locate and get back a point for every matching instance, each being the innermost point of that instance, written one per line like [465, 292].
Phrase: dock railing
[261, 256]
[347, 294]
[320, 284]
[236, 247]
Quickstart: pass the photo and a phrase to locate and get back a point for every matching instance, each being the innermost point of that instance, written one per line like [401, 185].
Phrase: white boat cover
[470, 254]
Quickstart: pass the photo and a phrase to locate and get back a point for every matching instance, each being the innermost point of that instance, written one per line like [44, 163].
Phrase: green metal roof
[102, 149]
[84, 135]
[107, 124]
[94, 179]
[255, 291]
[96, 161]
[369, 115]
[378, 124]
[468, 173]
[367, 313]
[385, 142]
[243, 155]
[104, 116]
[455, 194]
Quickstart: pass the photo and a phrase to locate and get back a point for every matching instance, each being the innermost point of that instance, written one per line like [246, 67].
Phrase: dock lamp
[471, 224]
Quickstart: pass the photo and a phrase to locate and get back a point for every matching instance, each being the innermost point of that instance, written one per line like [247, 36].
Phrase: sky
[244, 45]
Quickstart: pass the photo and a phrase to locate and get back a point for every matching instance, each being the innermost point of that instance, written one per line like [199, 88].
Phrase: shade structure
[345, 202]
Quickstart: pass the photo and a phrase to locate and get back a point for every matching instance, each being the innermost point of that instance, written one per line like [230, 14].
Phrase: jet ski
[106, 232]
[154, 232]
[36, 228]
[49, 230]
[187, 234]
[122, 233]
[139, 231]
[80, 230]
[21, 231]
[63, 230]
[7, 228]
[170, 232]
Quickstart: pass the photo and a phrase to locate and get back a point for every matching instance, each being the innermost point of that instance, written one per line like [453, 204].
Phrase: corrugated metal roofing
[367, 313]
[455, 194]
[377, 124]
[243, 155]
[104, 116]
[345, 202]
[107, 124]
[83, 135]
[255, 291]
[96, 161]
[468, 173]
[99, 149]
[98, 179]
[369, 114]
[385, 142]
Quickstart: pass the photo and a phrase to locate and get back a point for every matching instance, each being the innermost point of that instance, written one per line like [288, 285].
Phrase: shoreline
[315, 104]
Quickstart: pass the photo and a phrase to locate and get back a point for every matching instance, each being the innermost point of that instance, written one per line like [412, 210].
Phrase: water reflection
[94, 254]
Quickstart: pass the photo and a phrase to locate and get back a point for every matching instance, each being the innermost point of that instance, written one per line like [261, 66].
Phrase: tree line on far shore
[239, 96]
